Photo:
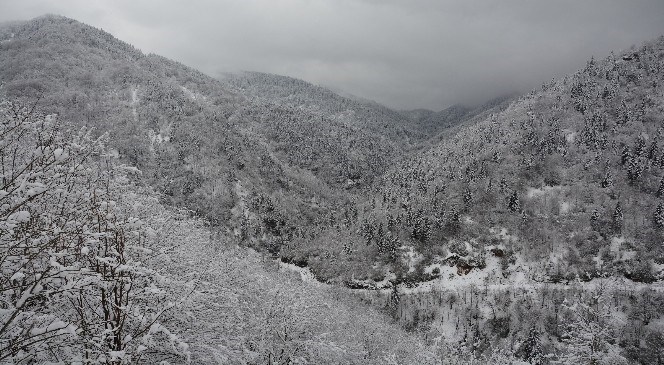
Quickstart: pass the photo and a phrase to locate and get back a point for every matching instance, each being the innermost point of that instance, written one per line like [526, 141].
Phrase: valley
[152, 213]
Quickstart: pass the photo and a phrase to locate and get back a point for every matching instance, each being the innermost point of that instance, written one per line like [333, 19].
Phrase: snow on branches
[69, 288]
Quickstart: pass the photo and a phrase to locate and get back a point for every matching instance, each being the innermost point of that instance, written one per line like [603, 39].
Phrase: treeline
[570, 172]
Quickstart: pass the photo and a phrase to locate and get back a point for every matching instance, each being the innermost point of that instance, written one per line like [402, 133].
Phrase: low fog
[404, 54]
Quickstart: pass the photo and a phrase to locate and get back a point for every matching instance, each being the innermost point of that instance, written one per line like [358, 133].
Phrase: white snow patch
[157, 137]
[502, 234]
[164, 135]
[491, 275]
[385, 283]
[616, 243]
[7, 40]
[134, 102]
[430, 268]
[565, 207]
[379, 285]
[17, 276]
[570, 136]
[628, 255]
[535, 192]
[20, 216]
[241, 209]
[305, 274]
[191, 95]
[598, 261]
[658, 269]
[411, 257]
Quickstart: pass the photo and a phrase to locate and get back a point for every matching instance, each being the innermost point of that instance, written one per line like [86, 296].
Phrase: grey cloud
[405, 54]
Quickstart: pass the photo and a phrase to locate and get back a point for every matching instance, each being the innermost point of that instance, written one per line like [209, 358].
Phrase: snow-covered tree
[660, 189]
[531, 348]
[590, 336]
[658, 217]
[617, 218]
[70, 288]
[513, 203]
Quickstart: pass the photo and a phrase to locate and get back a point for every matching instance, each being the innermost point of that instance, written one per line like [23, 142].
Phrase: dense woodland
[152, 213]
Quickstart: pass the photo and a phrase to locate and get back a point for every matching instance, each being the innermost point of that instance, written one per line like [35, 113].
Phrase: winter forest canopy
[152, 214]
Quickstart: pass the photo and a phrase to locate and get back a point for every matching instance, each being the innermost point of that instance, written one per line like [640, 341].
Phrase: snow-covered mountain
[519, 229]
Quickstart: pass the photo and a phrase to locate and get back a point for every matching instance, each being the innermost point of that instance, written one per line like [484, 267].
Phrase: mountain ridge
[476, 224]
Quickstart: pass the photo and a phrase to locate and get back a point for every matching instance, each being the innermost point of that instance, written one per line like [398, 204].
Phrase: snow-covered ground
[192, 95]
[134, 102]
[305, 274]
[488, 278]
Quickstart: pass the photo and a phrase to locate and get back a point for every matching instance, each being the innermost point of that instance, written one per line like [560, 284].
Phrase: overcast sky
[404, 54]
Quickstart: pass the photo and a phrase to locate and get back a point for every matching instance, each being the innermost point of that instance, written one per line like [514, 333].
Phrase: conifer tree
[625, 156]
[380, 238]
[634, 171]
[594, 219]
[513, 204]
[368, 232]
[624, 113]
[531, 349]
[660, 189]
[422, 229]
[658, 218]
[607, 181]
[467, 197]
[617, 218]
[392, 248]
[503, 185]
[391, 223]
[453, 220]
[394, 299]
[640, 147]
[653, 151]
[606, 93]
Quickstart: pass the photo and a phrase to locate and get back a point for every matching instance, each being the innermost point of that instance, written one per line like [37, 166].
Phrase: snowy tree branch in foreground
[69, 289]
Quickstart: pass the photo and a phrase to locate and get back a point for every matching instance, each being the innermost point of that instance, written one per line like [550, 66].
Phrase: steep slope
[486, 237]
[445, 118]
[438, 125]
[417, 115]
[337, 139]
[95, 270]
[236, 306]
[533, 229]
[287, 91]
[567, 179]
[256, 166]
[88, 77]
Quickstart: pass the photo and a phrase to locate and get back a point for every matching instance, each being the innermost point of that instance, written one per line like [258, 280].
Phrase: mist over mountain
[153, 213]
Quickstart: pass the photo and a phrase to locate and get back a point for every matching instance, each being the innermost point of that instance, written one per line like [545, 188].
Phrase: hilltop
[245, 163]
[519, 228]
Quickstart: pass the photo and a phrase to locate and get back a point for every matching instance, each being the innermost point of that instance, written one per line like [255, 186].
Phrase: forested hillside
[201, 142]
[153, 213]
[433, 123]
[287, 91]
[529, 229]
[568, 179]
[95, 270]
